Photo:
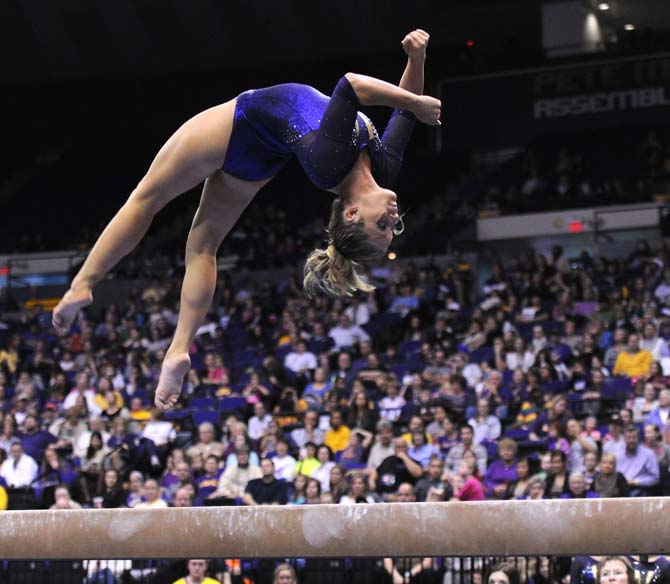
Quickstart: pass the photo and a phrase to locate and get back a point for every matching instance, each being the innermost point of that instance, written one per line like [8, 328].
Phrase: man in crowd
[19, 470]
[266, 490]
[638, 464]
[396, 469]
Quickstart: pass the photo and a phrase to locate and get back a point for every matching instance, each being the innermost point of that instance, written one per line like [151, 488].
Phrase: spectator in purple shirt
[35, 441]
[502, 472]
[638, 464]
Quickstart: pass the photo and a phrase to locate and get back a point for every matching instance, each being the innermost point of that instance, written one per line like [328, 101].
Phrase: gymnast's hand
[427, 110]
[415, 44]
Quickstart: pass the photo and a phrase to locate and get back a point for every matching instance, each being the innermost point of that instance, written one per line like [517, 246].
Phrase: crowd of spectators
[552, 380]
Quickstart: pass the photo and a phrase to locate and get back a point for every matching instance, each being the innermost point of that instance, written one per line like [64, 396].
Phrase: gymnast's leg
[224, 198]
[193, 152]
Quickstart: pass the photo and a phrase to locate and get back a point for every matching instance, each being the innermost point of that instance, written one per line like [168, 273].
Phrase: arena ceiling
[75, 39]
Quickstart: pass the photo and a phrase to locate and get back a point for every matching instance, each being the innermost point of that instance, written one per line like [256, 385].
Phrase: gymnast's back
[325, 133]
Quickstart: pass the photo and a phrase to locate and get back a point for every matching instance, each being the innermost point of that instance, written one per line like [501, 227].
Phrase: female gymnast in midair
[236, 148]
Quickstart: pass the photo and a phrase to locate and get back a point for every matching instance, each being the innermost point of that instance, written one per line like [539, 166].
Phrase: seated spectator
[396, 469]
[577, 488]
[556, 483]
[284, 463]
[579, 446]
[9, 433]
[318, 388]
[158, 435]
[352, 457]
[449, 436]
[19, 470]
[310, 431]
[633, 361]
[266, 490]
[83, 389]
[259, 422]
[95, 424]
[638, 464]
[255, 391]
[337, 437]
[358, 492]
[608, 482]
[590, 467]
[209, 481]
[433, 481]
[536, 489]
[301, 361]
[152, 496]
[655, 345]
[135, 489]
[503, 472]
[455, 456]
[56, 470]
[486, 427]
[308, 462]
[520, 488]
[63, 500]
[654, 441]
[235, 477]
[90, 467]
[465, 485]
[110, 494]
[382, 448]
[660, 416]
[183, 497]
[338, 485]
[207, 444]
[297, 492]
[420, 450]
[197, 574]
[613, 442]
[313, 492]
[35, 440]
[325, 457]
[347, 334]
[390, 406]
[362, 413]
[435, 429]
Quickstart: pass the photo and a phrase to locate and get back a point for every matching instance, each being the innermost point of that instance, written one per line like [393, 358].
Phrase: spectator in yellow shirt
[633, 361]
[337, 437]
[197, 570]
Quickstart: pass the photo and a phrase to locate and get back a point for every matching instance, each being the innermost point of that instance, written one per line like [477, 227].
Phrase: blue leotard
[326, 134]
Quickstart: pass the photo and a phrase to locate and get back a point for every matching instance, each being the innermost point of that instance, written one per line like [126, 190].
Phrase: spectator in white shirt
[346, 334]
[158, 431]
[95, 424]
[484, 425]
[259, 422]
[390, 406]
[19, 470]
[653, 343]
[300, 360]
[358, 311]
[152, 495]
[284, 462]
[82, 387]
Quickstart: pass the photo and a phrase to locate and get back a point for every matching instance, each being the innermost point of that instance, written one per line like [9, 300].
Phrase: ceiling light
[603, 6]
[392, 255]
[630, 27]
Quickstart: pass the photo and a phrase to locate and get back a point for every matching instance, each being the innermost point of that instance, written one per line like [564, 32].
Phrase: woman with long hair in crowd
[110, 494]
[238, 147]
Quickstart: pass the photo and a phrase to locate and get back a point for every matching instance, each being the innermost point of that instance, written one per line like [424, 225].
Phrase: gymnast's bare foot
[67, 309]
[175, 367]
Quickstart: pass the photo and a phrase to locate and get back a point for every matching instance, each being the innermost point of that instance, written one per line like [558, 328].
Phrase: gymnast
[236, 148]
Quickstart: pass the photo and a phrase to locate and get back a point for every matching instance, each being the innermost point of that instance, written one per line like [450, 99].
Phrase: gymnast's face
[379, 212]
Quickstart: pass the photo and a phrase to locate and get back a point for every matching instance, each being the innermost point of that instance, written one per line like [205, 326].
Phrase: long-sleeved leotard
[326, 134]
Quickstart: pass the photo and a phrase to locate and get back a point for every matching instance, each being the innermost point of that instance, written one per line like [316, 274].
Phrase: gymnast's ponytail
[333, 271]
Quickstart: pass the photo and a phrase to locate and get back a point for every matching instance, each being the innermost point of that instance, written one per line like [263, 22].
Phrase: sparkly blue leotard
[326, 134]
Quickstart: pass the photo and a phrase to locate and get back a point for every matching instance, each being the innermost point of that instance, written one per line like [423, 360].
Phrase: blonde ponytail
[329, 272]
